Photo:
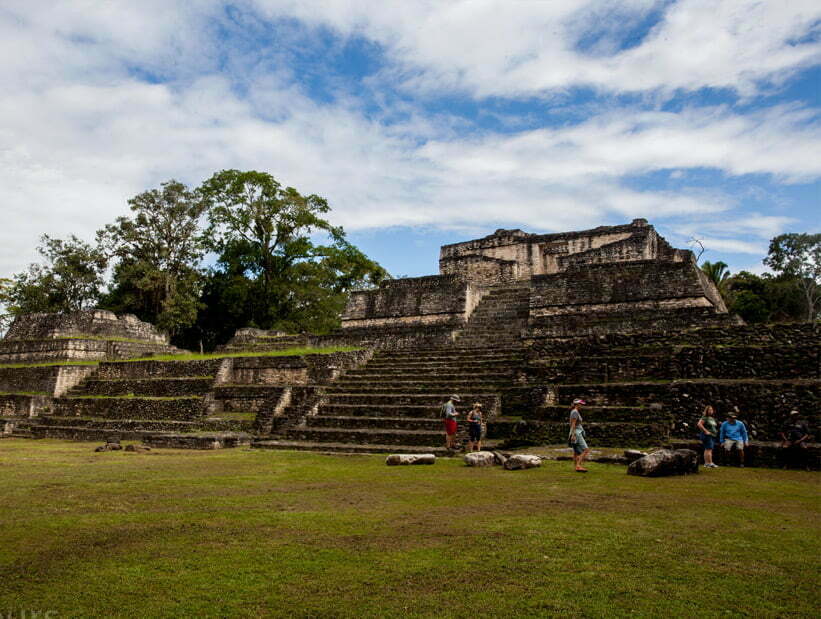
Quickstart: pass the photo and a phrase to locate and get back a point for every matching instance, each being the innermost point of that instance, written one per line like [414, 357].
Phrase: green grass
[265, 533]
[223, 355]
[23, 393]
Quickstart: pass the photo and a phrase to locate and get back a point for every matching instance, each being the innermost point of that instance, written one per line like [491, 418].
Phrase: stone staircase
[393, 402]
[136, 399]
[498, 319]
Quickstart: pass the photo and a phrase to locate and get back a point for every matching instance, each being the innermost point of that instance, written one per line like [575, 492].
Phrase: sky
[421, 122]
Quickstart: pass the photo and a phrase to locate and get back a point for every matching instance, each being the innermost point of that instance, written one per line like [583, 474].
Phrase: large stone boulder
[480, 458]
[665, 462]
[400, 459]
[522, 461]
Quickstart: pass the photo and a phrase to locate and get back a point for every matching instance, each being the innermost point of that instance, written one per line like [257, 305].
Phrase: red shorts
[450, 427]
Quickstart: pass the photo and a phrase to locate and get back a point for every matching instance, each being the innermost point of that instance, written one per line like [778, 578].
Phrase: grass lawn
[266, 533]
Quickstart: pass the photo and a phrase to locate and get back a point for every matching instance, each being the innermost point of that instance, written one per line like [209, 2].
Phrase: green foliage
[718, 273]
[71, 278]
[764, 298]
[159, 250]
[798, 257]
[273, 271]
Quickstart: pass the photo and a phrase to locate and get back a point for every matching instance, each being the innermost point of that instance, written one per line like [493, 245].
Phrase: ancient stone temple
[522, 323]
[612, 279]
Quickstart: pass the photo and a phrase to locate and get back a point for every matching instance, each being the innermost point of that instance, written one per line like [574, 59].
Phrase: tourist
[449, 416]
[794, 437]
[708, 435]
[475, 427]
[576, 438]
[733, 433]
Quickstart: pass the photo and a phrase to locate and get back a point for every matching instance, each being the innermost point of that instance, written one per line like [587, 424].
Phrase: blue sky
[422, 123]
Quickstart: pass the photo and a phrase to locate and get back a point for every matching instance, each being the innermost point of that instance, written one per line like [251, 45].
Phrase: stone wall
[317, 369]
[54, 380]
[89, 322]
[514, 254]
[65, 349]
[418, 301]
[18, 405]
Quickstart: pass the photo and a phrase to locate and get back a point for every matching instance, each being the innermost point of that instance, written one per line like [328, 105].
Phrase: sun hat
[794, 413]
[477, 404]
[579, 401]
[456, 398]
[732, 414]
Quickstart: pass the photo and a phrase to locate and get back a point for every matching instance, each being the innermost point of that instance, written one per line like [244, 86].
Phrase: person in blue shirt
[734, 433]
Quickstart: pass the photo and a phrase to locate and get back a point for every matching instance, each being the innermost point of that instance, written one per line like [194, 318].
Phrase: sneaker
[581, 470]
[741, 466]
[714, 465]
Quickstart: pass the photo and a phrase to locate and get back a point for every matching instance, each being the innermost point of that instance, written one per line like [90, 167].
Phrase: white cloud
[81, 131]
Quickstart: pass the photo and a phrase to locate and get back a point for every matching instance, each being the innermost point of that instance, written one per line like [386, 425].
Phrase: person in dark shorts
[794, 436]
[708, 434]
[449, 416]
[576, 437]
[475, 427]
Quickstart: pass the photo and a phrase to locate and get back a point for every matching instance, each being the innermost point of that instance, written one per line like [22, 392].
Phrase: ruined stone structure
[521, 323]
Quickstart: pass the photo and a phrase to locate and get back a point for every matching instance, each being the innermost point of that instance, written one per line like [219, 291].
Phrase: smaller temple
[609, 279]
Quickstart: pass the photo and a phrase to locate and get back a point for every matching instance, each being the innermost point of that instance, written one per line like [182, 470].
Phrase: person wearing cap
[475, 427]
[449, 416]
[794, 436]
[734, 433]
[576, 438]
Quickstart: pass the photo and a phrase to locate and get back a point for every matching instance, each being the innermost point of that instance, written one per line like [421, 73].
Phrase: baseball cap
[579, 401]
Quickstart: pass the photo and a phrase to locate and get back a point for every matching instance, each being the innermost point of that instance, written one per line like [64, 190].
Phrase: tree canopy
[240, 250]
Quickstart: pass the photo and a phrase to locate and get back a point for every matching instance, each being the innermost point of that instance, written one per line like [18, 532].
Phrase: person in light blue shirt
[734, 433]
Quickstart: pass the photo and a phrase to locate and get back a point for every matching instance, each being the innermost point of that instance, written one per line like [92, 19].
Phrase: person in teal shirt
[734, 433]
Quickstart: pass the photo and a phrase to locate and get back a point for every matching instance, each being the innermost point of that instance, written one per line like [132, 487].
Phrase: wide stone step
[117, 424]
[606, 434]
[393, 385]
[411, 390]
[179, 409]
[154, 387]
[365, 436]
[374, 423]
[604, 413]
[345, 447]
[422, 373]
[382, 410]
[452, 365]
[157, 369]
[82, 433]
[435, 400]
[450, 352]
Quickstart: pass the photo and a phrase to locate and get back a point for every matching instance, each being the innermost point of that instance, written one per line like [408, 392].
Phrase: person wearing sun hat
[576, 437]
[475, 427]
[449, 416]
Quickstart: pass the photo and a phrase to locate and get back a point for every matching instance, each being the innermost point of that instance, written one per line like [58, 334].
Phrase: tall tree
[271, 258]
[159, 250]
[798, 256]
[71, 278]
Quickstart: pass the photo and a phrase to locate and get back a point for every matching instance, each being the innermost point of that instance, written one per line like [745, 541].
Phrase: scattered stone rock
[634, 454]
[109, 447]
[398, 459]
[480, 458]
[500, 457]
[522, 461]
[665, 462]
[138, 448]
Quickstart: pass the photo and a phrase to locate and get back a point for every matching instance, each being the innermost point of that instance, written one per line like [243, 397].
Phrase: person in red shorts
[449, 416]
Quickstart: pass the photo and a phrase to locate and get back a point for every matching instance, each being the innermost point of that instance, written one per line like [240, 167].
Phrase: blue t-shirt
[733, 431]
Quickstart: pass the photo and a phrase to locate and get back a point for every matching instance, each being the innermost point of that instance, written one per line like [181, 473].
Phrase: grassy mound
[266, 533]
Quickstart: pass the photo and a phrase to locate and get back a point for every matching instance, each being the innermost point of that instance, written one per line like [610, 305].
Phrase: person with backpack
[449, 415]
[475, 427]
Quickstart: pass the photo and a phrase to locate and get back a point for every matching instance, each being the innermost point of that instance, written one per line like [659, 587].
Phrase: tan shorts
[728, 445]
